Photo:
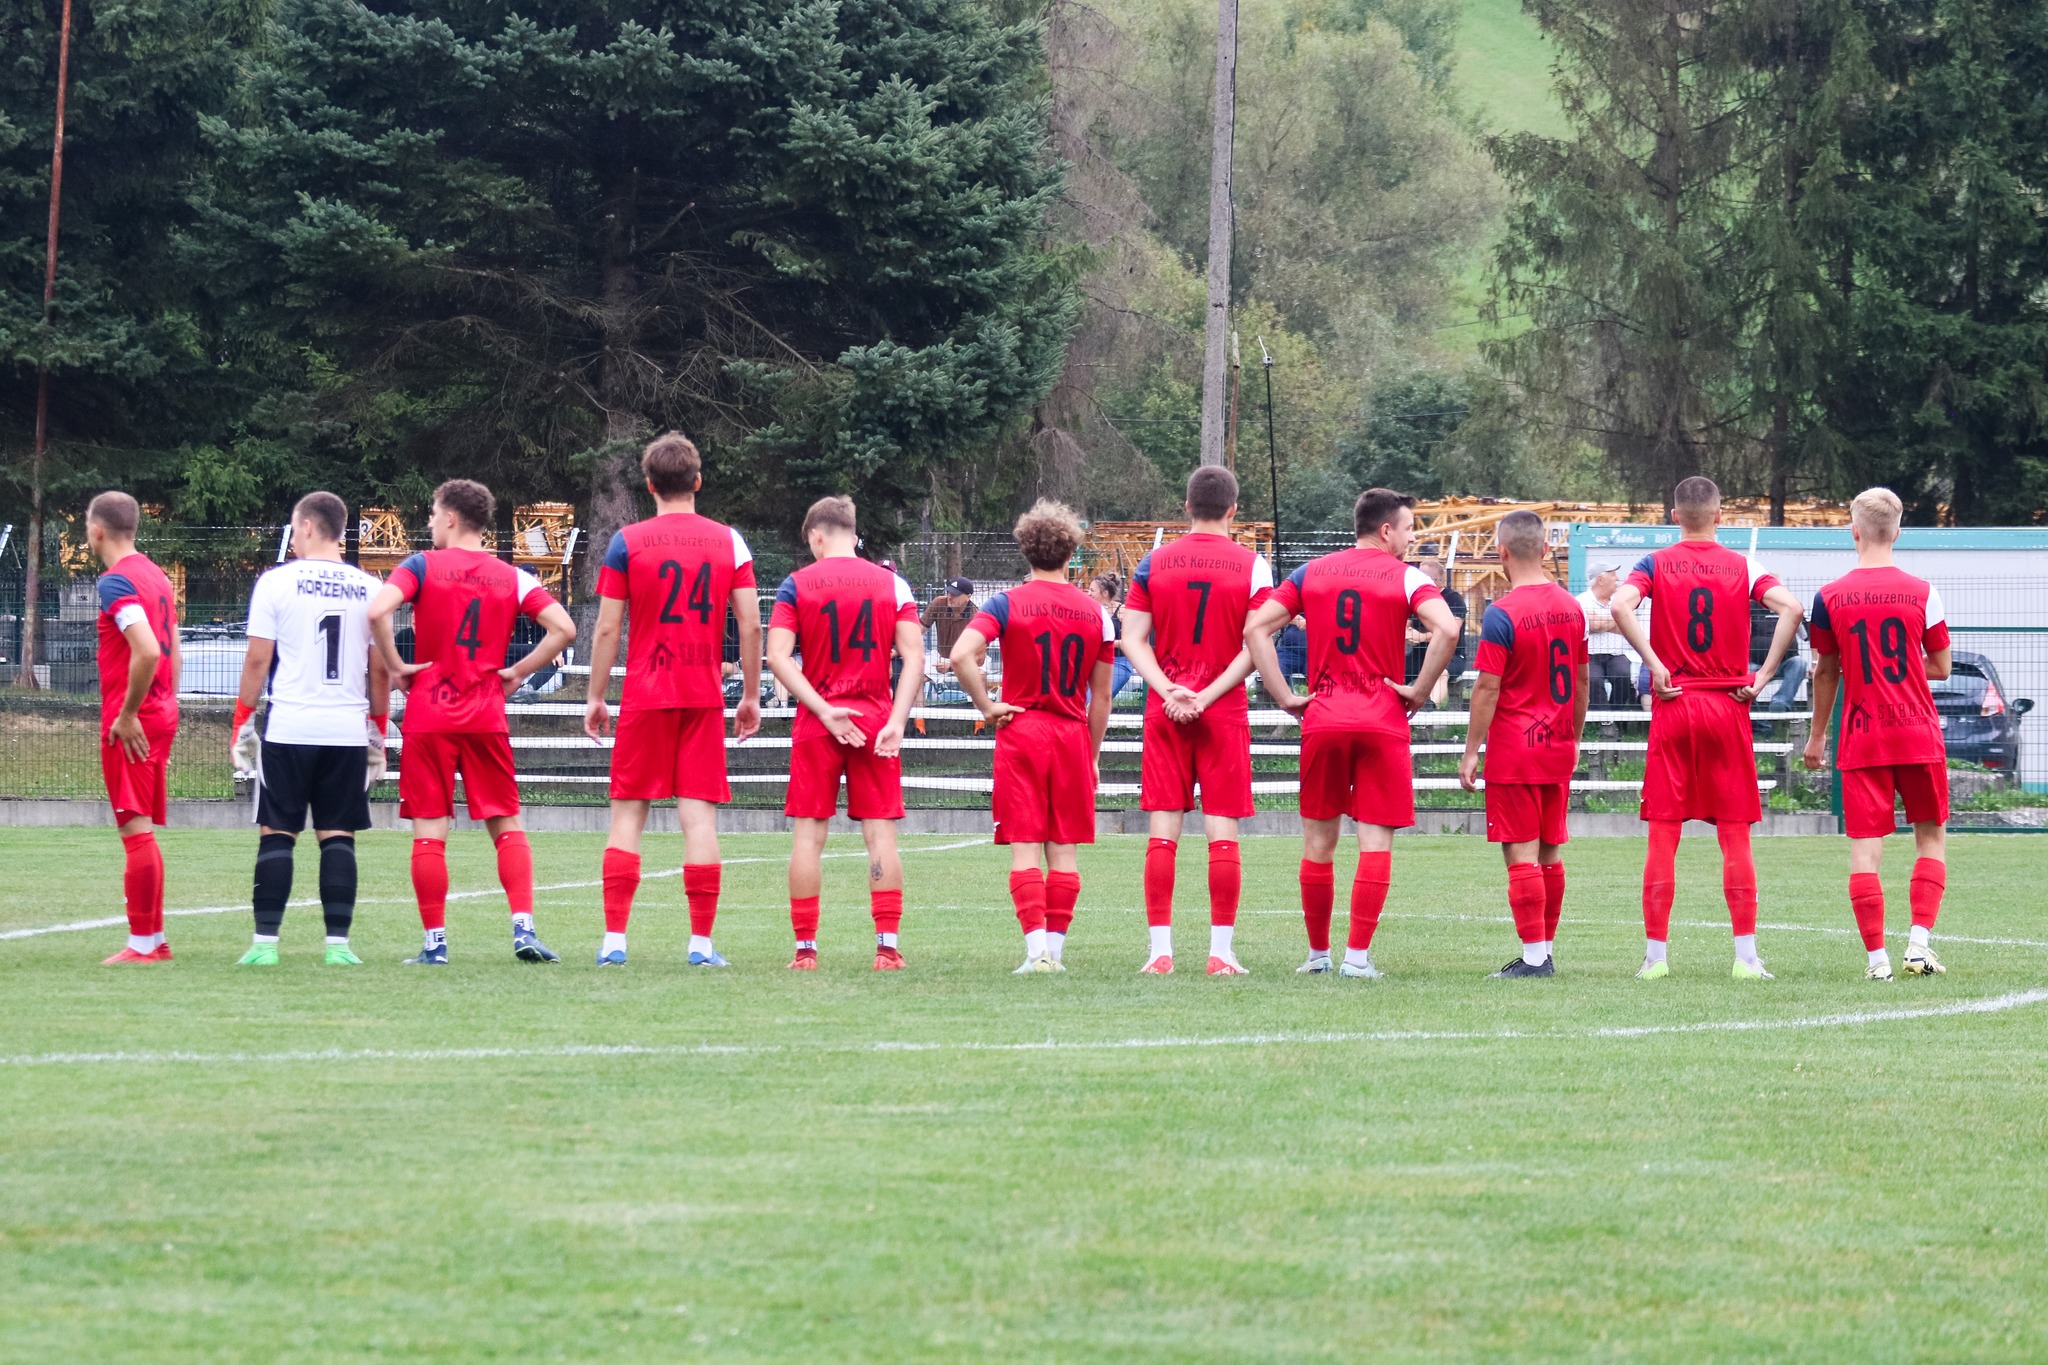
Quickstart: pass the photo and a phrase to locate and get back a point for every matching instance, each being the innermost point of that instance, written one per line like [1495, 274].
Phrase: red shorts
[427, 765]
[1517, 812]
[1369, 777]
[1045, 781]
[874, 786]
[1867, 797]
[664, 751]
[1701, 764]
[138, 788]
[1213, 751]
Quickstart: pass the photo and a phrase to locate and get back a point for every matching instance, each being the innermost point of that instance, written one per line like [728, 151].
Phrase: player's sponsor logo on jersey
[447, 692]
[662, 657]
[1857, 720]
[1539, 735]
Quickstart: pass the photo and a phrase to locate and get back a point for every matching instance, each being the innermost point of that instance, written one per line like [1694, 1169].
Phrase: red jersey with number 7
[1357, 604]
[1051, 635]
[1700, 625]
[135, 589]
[1533, 640]
[844, 611]
[465, 604]
[1884, 623]
[1199, 590]
[676, 574]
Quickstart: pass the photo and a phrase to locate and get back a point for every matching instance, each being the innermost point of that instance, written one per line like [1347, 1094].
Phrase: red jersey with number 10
[1052, 635]
[1357, 604]
[676, 574]
[1884, 623]
[465, 604]
[844, 611]
[1534, 641]
[135, 589]
[1199, 591]
[1700, 625]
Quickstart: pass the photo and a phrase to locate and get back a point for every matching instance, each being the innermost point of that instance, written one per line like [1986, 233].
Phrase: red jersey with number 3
[1884, 623]
[465, 604]
[676, 574]
[1199, 590]
[844, 612]
[1052, 635]
[1699, 626]
[135, 589]
[1534, 641]
[1357, 604]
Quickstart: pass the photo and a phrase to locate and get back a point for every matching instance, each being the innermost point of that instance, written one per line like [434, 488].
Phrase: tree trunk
[1216, 328]
[612, 483]
[32, 581]
[1781, 466]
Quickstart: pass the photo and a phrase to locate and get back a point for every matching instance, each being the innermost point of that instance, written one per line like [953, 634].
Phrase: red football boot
[806, 960]
[888, 960]
[128, 955]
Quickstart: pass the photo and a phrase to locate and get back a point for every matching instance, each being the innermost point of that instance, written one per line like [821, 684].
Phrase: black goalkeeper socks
[273, 882]
[338, 883]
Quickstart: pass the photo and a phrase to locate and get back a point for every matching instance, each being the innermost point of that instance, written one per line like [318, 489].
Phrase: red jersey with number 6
[1199, 591]
[1534, 641]
[465, 604]
[1052, 635]
[1884, 623]
[135, 589]
[844, 612]
[1700, 624]
[1357, 604]
[676, 574]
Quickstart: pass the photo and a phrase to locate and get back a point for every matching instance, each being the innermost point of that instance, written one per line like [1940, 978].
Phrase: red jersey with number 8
[676, 574]
[1699, 626]
[1534, 641]
[1884, 623]
[1051, 635]
[465, 604]
[1357, 604]
[844, 612]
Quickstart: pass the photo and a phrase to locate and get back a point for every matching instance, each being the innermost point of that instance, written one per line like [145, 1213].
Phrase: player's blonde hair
[832, 513]
[115, 513]
[1878, 511]
[1049, 534]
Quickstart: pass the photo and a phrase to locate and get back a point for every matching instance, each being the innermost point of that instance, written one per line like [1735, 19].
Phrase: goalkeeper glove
[245, 754]
[378, 762]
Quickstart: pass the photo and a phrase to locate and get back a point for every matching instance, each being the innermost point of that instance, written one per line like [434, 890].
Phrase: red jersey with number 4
[676, 574]
[1534, 641]
[135, 589]
[1052, 635]
[1199, 590]
[1700, 625]
[1884, 623]
[844, 611]
[1357, 604]
[465, 604]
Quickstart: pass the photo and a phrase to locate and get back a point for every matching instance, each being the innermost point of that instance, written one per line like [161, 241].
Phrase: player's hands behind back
[1183, 704]
[1001, 713]
[844, 728]
[889, 740]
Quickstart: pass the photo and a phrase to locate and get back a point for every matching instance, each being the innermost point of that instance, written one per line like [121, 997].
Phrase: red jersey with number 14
[1052, 635]
[843, 611]
[676, 574]
[465, 604]
[1357, 604]
[135, 589]
[1534, 641]
[1884, 623]
[1199, 591]
[1700, 625]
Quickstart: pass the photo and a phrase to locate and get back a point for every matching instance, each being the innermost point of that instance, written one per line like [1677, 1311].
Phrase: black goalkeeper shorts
[329, 778]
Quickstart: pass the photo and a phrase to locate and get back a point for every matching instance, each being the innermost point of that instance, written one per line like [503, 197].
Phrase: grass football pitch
[500, 1161]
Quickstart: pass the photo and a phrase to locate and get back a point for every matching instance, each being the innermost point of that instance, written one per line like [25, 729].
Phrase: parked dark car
[1981, 724]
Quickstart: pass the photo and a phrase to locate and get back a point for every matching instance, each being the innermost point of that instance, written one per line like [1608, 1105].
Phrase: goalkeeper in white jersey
[323, 740]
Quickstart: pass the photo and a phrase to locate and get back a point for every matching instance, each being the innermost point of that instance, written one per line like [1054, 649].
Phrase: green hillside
[1504, 69]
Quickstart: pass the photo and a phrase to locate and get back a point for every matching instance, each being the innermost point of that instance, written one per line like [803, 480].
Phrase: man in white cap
[1610, 663]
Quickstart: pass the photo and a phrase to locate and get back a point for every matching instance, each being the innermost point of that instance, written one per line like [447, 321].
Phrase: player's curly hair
[470, 501]
[672, 465]
[1049, 534]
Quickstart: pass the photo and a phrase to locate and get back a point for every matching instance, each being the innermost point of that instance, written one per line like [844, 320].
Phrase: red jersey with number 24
[1199, 590]
[1884, 623]
[1534, 641]
[1357, 604]
[1700, 625]
[844, 611]
[1052, 635]
[676, 574]
[135, 589]
[465, 604]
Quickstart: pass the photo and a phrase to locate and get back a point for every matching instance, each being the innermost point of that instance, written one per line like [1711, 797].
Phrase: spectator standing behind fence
[1791, 673]
[948, 615]
[1108, 589]
[1418, 637]
[1610, 663]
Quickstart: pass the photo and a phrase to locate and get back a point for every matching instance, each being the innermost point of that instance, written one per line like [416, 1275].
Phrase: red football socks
[1027, 893]
[430, 881]
[1525, 900]
[1930, 880]
[1159, 856]
[1660, 879]
[142, 883]
[1738, 875]
[1866, 902]
[1226, 881]
[700, 887]
[1369, 897]
[621, 881]
[1553, 899]
[1062, 893]
[887, 908]
[515, 870]
[803, 918]
[1318, 898]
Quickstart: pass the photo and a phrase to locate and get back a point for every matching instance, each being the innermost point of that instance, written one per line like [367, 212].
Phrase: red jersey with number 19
[1199, 590]
[1357, 604]
[676, 574]
[1884, 623]
[465, 604]
[1700, 625]
[843, 611]
[1051, 635]
[135, 589]
[1534, 641]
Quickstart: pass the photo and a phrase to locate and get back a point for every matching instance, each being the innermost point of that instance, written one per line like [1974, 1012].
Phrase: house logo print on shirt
[1539, 735]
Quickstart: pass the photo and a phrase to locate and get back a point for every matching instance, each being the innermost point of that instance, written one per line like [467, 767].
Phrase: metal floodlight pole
[32, 584]
[1216, 325]
[1272, 455]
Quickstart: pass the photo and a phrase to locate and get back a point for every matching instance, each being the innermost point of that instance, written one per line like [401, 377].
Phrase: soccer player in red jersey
[1184, 634]
[139, 660]
[842, 614]
[1878, 635]
[1528, 708]
[465, 604]
[1701, 764]
[676, 574]
[1057, 647]
[1354, 722]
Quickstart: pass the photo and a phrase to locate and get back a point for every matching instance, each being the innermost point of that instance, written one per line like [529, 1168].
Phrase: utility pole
[1272, 458]
[1216, 323]
[33, 579]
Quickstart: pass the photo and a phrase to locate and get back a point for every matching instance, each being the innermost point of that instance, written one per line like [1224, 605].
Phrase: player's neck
[467, 540]
[1705, 535]
[684, 506]
[1873, 556]
[1048, 575]
[330, 553]
[113, 551]
[1210, 528]
[1526, 575]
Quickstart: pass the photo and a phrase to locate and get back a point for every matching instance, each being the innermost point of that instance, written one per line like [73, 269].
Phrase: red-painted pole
[30, 611]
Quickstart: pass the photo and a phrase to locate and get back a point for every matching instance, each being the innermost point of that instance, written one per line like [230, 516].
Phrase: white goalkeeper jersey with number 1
[318, 612]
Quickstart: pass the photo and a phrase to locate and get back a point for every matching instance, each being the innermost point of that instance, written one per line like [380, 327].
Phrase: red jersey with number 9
[843, 611]
[1699, 626]
[1884, 623]
[1533, 640]
[465, 604]
[135, 589]
[1356, 604]
[1052, 635]
[676, 574]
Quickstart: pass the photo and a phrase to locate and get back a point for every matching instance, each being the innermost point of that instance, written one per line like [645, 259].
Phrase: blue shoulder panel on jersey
[1143, 577]
[1819, 619]
[999, 607]
[114, 587]
[416, 565]
[786, 594]
[615, 554]
[1299, 578]
[1497, 627]
[1647, 567]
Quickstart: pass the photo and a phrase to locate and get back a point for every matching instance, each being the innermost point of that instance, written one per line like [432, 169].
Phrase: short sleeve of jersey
[263, 609]
[1418, 589]
[783, 617]
[1496, 641]
[1262, 581]
[994, 615]
[1108, 638]
[1643, 577]
[119, 600]
[1288, 594]
[906, 600]
[1139, 598]
[1935, 639]
[1761, 580]
[410, 573]
[611, 574]
[1820, 628]
[533, 598]
[742, 560]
